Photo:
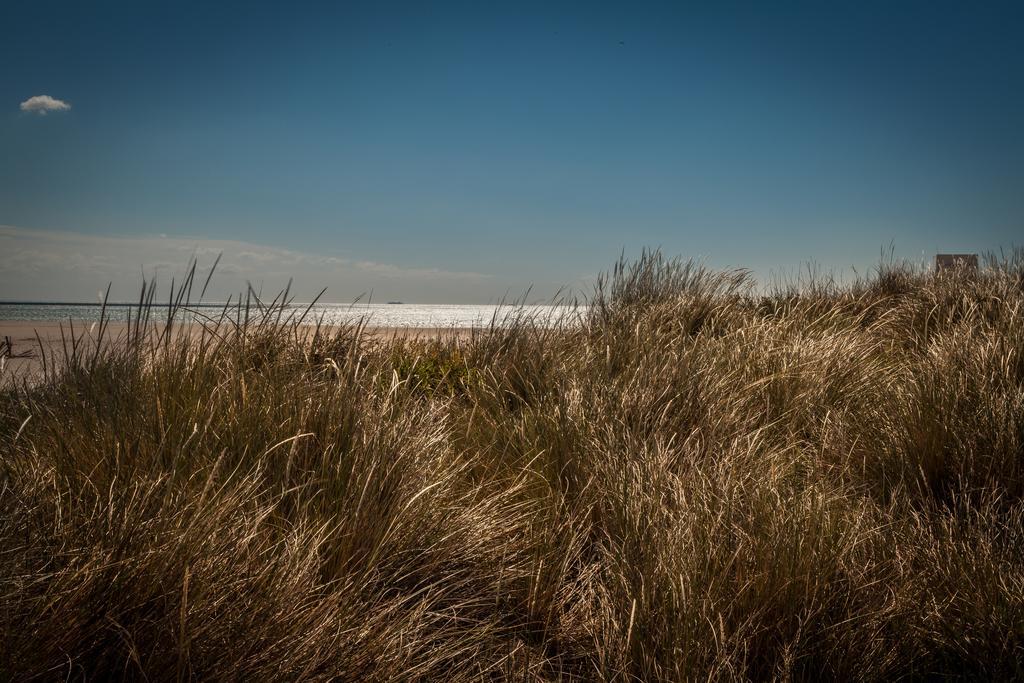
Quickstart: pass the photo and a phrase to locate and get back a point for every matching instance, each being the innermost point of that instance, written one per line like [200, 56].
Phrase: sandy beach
[21, 340]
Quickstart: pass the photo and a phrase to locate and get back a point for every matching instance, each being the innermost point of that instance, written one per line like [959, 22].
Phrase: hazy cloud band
[69, 266]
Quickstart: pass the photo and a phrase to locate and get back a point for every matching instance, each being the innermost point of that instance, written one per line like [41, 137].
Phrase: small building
[964, 262]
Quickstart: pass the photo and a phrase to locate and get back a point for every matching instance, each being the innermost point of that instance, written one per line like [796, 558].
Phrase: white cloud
[40, 104]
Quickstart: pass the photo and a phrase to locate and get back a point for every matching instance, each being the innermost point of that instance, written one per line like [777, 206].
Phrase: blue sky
[461, 152]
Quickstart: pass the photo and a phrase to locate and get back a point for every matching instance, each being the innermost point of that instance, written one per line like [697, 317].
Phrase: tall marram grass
[696, 481]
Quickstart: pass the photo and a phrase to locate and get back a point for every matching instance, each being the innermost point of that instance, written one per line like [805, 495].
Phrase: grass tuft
[685, 479]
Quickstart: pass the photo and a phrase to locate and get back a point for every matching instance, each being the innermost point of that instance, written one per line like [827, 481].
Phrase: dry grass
[697, 482]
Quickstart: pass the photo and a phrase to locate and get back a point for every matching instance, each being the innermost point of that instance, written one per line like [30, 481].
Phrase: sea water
[372, 314]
